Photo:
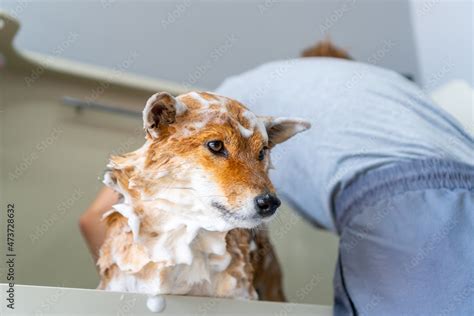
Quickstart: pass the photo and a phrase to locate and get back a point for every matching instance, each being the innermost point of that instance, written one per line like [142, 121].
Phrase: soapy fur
[187, 221]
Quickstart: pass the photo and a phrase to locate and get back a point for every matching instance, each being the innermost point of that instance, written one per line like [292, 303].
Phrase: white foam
[156, 304]
[253, 246]
[180, 107]
[246, 133]
[220, 263]
[196, 96]
[262, 130]
[133, 221]
[109, 181]
[253, 123]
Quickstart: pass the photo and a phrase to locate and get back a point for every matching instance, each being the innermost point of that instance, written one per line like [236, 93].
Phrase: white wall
[444, 40]
[202, 43]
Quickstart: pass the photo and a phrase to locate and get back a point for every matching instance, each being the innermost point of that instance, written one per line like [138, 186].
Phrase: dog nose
[267, 204]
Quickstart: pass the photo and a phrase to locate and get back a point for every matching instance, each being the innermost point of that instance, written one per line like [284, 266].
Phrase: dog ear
[280, 129]
[161, 109]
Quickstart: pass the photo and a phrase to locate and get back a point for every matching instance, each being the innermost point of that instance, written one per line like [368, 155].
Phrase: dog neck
[168, 238]
[161, 233]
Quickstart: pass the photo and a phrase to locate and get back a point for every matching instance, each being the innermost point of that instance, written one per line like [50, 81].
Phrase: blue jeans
[407, 241]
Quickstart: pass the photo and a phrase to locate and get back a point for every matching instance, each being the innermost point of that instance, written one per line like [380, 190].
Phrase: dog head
[206, 160]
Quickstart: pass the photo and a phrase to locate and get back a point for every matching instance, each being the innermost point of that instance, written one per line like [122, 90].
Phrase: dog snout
[267, 204]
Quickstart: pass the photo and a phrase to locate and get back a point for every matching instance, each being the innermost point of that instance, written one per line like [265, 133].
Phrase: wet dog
[193, 199]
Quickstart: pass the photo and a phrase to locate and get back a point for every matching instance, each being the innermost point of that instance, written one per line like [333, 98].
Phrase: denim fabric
[407, 241]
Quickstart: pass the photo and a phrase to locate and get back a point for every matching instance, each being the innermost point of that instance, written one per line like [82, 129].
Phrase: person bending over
[383, 167]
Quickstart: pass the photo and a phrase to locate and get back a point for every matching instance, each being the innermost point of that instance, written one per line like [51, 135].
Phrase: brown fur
[242, 173]
[325, 48]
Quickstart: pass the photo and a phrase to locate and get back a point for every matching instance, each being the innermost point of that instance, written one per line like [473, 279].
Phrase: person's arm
[90, 222]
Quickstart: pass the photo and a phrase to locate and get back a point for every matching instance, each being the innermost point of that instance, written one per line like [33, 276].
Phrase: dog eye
[262, 153]
[217, 147]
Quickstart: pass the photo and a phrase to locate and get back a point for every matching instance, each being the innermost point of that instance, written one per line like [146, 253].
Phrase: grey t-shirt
[363, 117]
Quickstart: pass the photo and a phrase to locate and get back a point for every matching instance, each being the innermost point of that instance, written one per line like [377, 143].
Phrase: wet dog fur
[188, 222]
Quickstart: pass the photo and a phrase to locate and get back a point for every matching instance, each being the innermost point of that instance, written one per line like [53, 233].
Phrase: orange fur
[325, 48]
[174, 155]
